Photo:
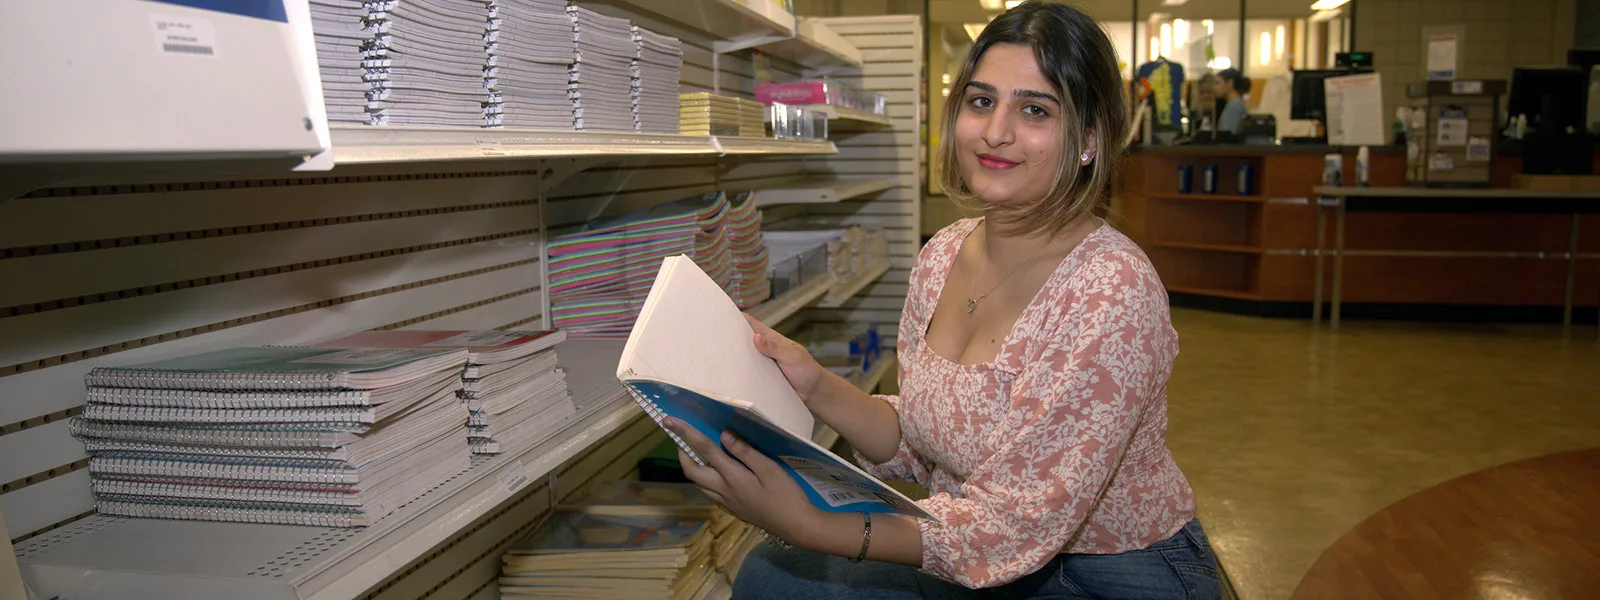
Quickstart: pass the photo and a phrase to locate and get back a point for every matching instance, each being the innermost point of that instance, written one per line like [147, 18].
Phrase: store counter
[1250, 246]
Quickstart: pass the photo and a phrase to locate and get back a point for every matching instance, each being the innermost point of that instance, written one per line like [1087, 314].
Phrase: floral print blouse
[1059, 443]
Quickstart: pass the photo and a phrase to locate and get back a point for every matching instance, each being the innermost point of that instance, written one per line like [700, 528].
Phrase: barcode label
[186, 36]
[831, 485]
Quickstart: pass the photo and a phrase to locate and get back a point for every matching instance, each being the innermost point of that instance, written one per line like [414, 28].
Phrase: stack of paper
[602, 72]
[530, 46]
[623, 541]
[703, 113]
[303, 436]
[339, 28]
[515, 395]
[426, 62]
[656, 64]
[750, 284]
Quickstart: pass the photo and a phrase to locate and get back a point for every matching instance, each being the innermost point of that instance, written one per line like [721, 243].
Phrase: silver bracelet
[866, 537]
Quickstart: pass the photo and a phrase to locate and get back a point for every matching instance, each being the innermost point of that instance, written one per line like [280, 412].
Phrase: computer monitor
[1309, 100]
[1551, 97]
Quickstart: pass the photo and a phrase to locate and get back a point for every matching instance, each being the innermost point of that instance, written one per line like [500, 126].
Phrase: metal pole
[1572, 275]
[1316, 284]
[1338, 259]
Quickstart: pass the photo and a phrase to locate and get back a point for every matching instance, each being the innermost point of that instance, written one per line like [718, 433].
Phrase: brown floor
[1292, 436]
[1519, 530]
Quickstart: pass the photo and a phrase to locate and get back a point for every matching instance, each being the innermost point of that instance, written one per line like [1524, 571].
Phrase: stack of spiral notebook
[530, 46]
[600, 276]
[339, 28]
[601, 76]
[426, 62]
[515, 395]
[750, 284]
[301, 436]
[656, 64]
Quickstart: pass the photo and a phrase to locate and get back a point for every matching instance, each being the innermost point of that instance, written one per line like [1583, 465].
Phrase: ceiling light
[1010, 4]
[1328, 4]
[1173, 2]
[1266, 48]
[1326, 15]
[989, 4]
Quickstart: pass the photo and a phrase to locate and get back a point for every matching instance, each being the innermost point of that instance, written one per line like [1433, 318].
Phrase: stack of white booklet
[656, 63]
[601, 81]
[426, 62]
[339, 28]
[530, 47]
[302, 436]
[515, 395]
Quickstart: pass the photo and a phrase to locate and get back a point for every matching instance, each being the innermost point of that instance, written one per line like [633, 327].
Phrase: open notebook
[691, 356]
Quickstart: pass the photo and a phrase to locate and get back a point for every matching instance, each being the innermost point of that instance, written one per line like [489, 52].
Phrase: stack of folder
[656, 64]
[601, 76]
[339, 28]
[704, 113]
[426, 62]
[621, 541]
[530, 47]
[331, 437]
[750, 284]
[514, 394]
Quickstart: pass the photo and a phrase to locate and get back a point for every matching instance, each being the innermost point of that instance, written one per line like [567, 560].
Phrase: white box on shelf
[172, 79]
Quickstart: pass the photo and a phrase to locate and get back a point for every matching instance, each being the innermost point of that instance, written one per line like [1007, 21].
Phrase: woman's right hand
[805, 375]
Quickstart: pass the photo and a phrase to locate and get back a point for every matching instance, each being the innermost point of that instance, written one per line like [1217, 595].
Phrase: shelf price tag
[514, 476]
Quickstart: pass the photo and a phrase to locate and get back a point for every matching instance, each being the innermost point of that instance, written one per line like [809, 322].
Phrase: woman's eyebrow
[1037, 95]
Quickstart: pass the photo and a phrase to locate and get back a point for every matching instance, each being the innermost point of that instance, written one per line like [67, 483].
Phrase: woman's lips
[990, 161]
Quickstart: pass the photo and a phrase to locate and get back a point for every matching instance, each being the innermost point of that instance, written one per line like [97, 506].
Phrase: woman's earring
[1084, 157]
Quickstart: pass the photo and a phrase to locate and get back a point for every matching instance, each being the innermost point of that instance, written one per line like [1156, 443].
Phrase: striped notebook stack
[599, 277]
[425, 62]
[656, 64]
[529, 46]
[300, 436]
[339, 28]
[602, 72]
[750, 284]
[515, 395]
[704, 113]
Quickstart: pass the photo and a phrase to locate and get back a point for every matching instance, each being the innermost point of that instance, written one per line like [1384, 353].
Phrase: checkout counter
[1250, 246]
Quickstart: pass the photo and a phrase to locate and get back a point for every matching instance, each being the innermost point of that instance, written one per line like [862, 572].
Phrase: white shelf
[751, 145]
[737, 24]
[850, 288]
[359, 144]
[108, 557]
[821, 191]
[847, 120]
[774, 311]
[824, 435]
[816, 46]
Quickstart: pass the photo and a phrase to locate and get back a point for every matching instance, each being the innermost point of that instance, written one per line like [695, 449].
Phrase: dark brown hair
[1077, 57]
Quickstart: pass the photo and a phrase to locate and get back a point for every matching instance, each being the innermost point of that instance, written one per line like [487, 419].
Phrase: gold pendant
[972, 305]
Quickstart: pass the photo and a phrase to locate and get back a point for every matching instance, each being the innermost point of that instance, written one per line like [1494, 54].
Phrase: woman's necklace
[972, 303]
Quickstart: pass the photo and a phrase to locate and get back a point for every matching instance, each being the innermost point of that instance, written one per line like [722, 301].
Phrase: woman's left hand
[753, 488]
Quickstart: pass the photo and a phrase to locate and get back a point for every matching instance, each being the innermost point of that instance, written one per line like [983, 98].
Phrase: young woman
[1035, 349]
[1231, 85]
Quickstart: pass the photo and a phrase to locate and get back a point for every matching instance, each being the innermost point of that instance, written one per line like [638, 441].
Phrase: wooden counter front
[1261, 246]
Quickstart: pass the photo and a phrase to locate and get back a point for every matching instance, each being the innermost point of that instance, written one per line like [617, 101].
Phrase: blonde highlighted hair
[1077, 57]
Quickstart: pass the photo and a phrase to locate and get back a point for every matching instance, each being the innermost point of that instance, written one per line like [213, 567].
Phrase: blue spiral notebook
[691, 355]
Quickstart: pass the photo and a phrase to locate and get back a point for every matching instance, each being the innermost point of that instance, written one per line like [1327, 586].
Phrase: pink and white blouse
[1059, 443]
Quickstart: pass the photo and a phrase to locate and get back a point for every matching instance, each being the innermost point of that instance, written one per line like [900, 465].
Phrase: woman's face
[1009, 128]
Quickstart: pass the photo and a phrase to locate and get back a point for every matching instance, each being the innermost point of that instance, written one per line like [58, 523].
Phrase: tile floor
[1291, 435]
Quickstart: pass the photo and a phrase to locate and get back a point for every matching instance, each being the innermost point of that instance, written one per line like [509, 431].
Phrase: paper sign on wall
[1442, 49]
[1355, 110]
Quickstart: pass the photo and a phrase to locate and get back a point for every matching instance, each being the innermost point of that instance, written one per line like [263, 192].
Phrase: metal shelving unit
[822, 190]
[849, 288]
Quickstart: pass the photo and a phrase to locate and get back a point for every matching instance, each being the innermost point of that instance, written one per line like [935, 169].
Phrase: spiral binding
[225, 400]
[235, 497]
[232, 515]
[167, 414]
[239, 436]
[658, 415]
[134, 466]
[188, 452]
[134, 377]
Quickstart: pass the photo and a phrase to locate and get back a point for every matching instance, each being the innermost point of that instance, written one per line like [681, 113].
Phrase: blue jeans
[1180, 566]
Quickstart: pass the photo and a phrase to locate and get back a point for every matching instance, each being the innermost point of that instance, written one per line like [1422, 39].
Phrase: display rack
[842, 119]
[735, 24]
[816, 47]
[850, 287]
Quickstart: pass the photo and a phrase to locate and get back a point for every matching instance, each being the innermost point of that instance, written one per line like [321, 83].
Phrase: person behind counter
[1232, 85]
